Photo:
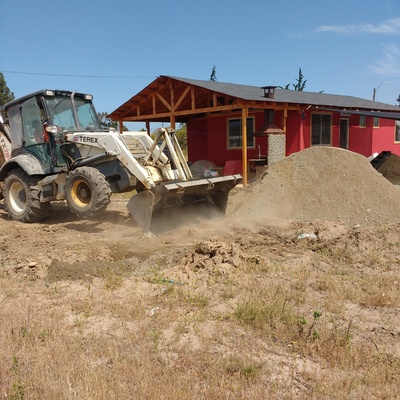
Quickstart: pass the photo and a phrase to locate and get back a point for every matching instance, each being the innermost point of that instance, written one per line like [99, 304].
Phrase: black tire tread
[101, 188]
[35, 210]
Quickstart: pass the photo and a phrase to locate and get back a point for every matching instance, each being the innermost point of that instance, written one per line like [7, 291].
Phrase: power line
[79, 76]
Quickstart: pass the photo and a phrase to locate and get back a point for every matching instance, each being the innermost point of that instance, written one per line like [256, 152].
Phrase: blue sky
[113, 49]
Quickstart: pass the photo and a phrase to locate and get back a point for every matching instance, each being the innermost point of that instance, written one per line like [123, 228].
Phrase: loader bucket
[165, 206]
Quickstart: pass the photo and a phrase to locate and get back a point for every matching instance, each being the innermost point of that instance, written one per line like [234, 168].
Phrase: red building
[214, 111]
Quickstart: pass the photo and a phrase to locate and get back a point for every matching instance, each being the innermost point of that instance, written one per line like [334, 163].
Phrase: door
[344, 133]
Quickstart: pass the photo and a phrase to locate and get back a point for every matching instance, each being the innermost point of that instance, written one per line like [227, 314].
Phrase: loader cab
[28, 132]
[71, 111]
[38, 121]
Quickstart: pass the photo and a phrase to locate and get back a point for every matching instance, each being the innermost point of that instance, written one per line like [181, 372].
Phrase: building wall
[217, 144]
[360, 138]
[197, 140]
[297, 132]
[208, 137]
[383, 137]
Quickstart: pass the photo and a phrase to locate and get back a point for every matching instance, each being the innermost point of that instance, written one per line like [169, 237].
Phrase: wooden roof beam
[181, 98]
[166, 104]
[204, 110]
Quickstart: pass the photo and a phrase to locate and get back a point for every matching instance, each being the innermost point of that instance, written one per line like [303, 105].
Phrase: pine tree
[301, 84]
[213, 76]
[5, 94]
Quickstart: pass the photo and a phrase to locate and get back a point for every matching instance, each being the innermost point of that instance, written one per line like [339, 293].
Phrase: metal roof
[182, 98]
[255, 93]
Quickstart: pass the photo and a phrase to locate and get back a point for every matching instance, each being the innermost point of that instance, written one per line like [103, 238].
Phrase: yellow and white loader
[52, 148]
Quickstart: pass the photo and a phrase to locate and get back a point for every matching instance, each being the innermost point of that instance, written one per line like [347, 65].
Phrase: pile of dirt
[319, 183]
[390, 169]
[214, 254]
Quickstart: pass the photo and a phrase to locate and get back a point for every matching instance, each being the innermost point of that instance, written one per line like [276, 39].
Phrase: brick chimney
[269, 91]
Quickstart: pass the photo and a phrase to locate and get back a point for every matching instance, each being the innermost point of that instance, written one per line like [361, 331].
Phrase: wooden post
[172, 121]
[301, 131]
[120, 126]
[284, 119]
[244, 145]
[148, 127]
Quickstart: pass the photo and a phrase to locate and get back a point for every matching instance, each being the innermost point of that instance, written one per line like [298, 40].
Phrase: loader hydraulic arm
[114, 146]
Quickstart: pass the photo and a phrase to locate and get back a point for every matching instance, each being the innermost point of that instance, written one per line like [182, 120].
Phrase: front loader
[59, 151]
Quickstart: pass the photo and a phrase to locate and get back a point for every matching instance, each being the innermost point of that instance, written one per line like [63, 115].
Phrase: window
[321, 129]
[376, 122]
[362, 121]
[235, 133]
[30, 112]
[397, 132]
[62, 113]
[14, 115]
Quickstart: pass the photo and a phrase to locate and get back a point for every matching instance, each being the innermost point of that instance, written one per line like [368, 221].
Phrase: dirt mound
[214, 254]
[390, 169]
[319, 183]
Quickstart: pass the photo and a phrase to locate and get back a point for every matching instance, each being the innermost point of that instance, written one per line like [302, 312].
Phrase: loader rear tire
[22, 197]
[87, 192]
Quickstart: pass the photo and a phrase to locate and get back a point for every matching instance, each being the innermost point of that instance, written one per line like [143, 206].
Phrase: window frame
[376, 122]
[321, 133]
[362, 121]
[397, 131]
[250, 136]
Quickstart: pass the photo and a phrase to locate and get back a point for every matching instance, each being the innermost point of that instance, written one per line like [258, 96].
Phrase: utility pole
[376, 89]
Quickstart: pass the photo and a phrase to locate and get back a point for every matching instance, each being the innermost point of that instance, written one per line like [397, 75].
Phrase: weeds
[287, 325]
[113, 282]
[198, 299]
[248, 369]
[18, 391]
[267, 313]
[251, 371]
[312, 329]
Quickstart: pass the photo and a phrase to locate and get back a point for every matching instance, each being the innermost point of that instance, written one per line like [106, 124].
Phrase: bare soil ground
[295, 294]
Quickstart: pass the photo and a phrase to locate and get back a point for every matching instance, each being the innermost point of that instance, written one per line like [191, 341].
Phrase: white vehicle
[55, 149]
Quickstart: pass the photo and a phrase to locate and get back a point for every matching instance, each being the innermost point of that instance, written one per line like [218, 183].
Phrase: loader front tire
[22, 197]
[87, 192]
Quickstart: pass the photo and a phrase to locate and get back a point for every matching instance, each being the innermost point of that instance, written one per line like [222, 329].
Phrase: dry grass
[322, 324]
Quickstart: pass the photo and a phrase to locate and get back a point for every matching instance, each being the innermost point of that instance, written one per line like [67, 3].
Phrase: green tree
[181, 135]
[5, 93]
[213, 76]
[300, 85]
[398, 100]
[107, 122]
